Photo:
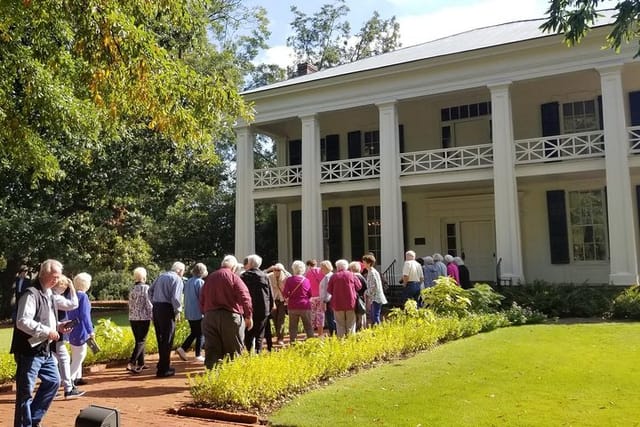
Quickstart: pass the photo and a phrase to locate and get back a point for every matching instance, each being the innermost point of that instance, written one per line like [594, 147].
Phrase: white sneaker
[181, 353]
[200, 358]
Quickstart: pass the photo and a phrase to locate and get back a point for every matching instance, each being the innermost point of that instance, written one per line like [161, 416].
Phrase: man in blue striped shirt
[166, 296]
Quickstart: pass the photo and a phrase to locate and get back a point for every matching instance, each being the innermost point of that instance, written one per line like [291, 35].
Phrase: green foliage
[562, 300]
[627, 304]
[111, 285]
[483, 298]
[7, 367]
[324, 39]
[446, 297]
[574, 19]
[518, 315]
[255, 381]
[72, 71]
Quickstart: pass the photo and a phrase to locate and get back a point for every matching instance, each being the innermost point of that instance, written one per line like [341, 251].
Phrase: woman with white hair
[278, 275]
[452, 268]
[140, 315]
[430, 271]
[83, 331]
[297, 291]
[343, 287]
[440, 265]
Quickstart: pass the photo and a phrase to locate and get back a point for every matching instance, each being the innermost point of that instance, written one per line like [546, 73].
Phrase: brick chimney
[305, 68]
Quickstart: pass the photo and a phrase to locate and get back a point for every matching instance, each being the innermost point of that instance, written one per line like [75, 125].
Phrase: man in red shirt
[225, 301]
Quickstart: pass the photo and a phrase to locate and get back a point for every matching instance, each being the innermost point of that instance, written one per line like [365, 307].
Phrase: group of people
[232, 309]
[229, 311]
[420, 273]
[50, 310]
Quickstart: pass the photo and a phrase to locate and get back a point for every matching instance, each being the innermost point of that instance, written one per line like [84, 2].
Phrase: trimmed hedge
[564, 300]
[258, 381]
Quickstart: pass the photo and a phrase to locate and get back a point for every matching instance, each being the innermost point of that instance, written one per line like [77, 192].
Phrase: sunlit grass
[544, 375]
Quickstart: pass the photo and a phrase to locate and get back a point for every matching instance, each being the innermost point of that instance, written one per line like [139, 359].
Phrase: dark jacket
[260, 290]
[44, 306]
[465, 281]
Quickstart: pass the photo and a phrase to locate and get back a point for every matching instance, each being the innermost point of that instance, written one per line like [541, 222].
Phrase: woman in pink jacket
[297, 291]
[343, 287]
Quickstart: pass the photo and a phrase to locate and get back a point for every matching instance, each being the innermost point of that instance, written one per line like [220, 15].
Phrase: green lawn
[545, 375]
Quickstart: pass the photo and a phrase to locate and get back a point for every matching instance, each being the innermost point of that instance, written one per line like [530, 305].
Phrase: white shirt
[26, 323]
[413, 270]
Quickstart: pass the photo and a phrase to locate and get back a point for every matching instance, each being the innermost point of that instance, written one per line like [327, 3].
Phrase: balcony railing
[472, 157]
[350, 170]
[527, 151]
[634, 139]
[282, 176]
[560, 147]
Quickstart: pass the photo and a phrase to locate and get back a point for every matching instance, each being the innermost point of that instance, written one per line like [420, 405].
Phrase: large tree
[574, 18]
[324, 39]
[113, 115]
[73, 72]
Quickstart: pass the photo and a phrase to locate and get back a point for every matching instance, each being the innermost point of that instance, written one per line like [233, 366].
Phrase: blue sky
[420, 20]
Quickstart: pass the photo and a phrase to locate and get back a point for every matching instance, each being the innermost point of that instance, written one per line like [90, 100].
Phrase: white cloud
[455, 19]
[281, 55]
[447, 18]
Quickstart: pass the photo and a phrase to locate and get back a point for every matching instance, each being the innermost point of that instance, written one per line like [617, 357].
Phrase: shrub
[111, 285]
[484, 299]
[518, 315]
[446, 297]
[562, 300]
[257, 381]
[627, 304]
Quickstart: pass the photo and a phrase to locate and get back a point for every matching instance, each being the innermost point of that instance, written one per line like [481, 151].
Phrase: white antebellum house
[499, 144]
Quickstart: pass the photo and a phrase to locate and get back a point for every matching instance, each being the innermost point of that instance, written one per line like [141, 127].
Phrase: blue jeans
[411, 291]
[330, 320]
[376, 309]
[31, 409]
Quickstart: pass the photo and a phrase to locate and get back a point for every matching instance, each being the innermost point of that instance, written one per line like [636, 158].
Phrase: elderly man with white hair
[226, 304]
[412, 277]
[166, 296]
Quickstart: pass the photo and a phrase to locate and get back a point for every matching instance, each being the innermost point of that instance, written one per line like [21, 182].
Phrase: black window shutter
[295, 152]
[335, 233]
[296, 234]
[550, 114]
[600, 113]
[354, 141]
[634, 107]
[401, 137]
[332, 147]
[558, 233]
[357, 231]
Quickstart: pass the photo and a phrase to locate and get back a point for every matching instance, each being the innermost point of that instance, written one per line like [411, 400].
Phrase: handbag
[360, 308]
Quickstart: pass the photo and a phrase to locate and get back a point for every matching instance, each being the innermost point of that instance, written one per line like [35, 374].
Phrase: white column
[622, 245]
[284, 253]
[245, 214]
[505, 187]
[311, 199]
[390, 191]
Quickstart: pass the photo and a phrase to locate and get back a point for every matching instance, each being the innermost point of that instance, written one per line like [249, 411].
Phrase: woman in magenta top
[343, 287]
[297, 291]
[452, 268]
[318, 307]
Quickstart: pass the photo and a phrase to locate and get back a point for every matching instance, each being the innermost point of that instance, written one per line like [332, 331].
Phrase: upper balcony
[558, 148]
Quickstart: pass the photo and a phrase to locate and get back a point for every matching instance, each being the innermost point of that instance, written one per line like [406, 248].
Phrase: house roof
[495, 35]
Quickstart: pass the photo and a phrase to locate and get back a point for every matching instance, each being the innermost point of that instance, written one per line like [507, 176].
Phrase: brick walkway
[141, 400]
